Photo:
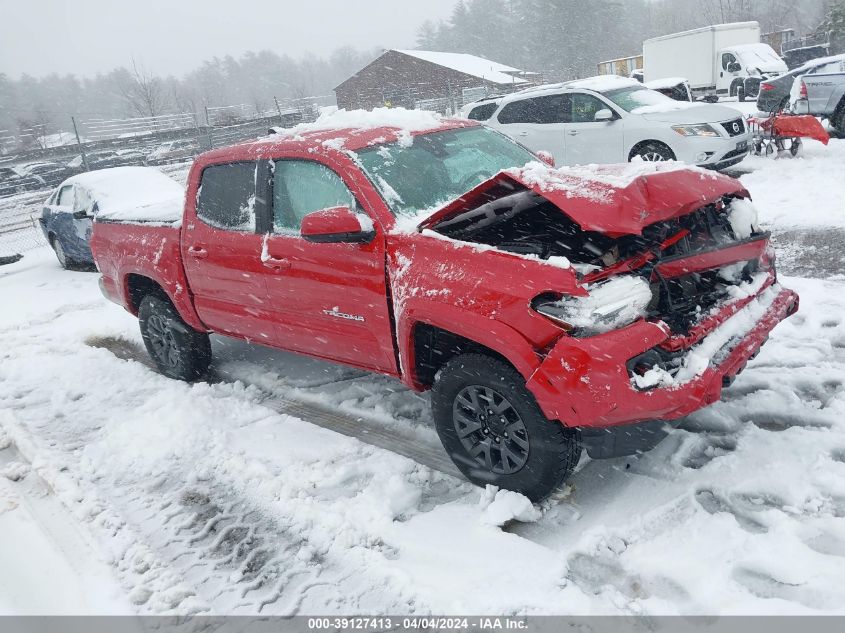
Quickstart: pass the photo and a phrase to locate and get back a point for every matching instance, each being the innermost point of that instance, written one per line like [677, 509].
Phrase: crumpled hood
[612, 199]
[688, 113]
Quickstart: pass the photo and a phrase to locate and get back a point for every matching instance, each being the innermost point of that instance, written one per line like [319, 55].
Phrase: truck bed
[122, 250]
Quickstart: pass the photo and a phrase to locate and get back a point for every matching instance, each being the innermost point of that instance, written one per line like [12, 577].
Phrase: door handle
[573, 132]
[275, 264]
[197, 251]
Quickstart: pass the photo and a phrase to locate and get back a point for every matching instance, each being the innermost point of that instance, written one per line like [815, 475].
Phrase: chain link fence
[35, 159]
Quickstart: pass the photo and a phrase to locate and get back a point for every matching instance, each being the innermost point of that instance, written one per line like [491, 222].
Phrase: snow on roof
[819, 61]
[133, 194]
[666, 82]
[600, 83]
[469, 65]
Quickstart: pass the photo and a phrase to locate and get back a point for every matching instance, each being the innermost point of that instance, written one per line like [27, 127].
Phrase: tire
[178, 350]
[64, 260]
[838, 121]
[651, 151]
[538, 454]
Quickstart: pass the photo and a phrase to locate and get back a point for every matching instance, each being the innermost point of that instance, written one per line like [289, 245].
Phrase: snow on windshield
[426, 171]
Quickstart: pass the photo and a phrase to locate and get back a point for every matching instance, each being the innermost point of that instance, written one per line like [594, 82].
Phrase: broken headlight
[609, 305]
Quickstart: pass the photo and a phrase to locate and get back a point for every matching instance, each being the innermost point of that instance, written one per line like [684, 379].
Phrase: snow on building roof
[470, 65]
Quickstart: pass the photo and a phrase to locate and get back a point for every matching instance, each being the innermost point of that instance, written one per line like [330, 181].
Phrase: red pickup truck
[544, 308]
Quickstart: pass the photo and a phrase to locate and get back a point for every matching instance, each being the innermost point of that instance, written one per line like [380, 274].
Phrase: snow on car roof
[133, 194]
[819, 61]
[602, 83]
[469, 65]
[355, 129]
[666, 82]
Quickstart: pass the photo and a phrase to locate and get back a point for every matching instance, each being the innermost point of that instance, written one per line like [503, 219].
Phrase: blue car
[67, 220]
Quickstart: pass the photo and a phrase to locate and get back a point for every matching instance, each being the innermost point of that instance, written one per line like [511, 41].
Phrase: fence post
[281, 120]
[79, 142]
[208, 130]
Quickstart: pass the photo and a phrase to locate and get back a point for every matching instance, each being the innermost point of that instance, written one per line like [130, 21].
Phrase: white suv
[611, 119]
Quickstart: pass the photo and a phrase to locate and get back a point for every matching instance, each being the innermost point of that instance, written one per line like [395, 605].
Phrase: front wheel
[179, 351]
[495, 433]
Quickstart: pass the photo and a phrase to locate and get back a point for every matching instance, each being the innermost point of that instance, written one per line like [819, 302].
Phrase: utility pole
[279, 110]
[79, 142]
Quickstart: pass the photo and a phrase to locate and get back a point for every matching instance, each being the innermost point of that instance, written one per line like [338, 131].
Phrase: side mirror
[81, 215]
[734, 67]
[605, 114]
[336, 224]
[546, 157]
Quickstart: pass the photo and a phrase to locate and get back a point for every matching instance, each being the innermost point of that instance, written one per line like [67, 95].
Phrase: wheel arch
[428, 342]
[136, 286]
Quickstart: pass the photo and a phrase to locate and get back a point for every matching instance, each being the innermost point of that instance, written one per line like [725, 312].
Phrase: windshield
[437, 168]
[635, 97]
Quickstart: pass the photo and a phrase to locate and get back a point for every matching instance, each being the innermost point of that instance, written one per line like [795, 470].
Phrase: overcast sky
[172, 37]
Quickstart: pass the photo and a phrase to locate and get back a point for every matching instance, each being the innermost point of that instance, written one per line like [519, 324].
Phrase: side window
[584, 107]
[727, 58]
[554, 108]
[547, 109]
[65, 196]
[482, 112]
[226, 199]
[301, 187]
[83, 200]
[523, 111]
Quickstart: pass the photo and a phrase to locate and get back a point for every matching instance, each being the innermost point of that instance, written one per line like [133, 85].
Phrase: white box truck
[719, 60]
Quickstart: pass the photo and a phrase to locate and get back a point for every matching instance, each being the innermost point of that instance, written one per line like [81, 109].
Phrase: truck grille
[734, 127]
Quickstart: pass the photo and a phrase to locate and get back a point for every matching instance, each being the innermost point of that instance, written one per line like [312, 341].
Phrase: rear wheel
[65, 261]
[494, 431]
[652, 151]
[179, 351]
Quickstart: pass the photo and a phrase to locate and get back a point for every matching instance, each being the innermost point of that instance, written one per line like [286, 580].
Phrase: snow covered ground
[221, 497]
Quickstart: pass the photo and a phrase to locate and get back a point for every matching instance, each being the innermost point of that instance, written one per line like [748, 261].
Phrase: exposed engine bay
[527, 224]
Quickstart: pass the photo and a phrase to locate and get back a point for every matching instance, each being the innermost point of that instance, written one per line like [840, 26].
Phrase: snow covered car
[611, 119]
[676, 88]
[68, 214]
[545, 308]
[825, 74]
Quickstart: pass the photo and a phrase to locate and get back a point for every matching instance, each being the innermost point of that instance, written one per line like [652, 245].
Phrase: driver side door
[325, 299]
[590, 141]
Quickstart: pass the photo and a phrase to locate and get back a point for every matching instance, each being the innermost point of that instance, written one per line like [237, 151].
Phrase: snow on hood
[133, 194]
[686, 112]
[760, 56]
[613, 199]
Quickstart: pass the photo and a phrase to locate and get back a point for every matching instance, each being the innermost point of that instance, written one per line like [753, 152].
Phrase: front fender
[490, 333]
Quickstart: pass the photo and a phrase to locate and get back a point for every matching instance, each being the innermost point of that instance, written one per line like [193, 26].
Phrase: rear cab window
[226, 197]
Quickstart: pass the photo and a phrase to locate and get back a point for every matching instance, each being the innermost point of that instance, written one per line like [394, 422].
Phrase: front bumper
[586, 383]
[715, 153]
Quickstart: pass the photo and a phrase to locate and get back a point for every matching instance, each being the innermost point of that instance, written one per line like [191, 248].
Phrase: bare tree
[143, 92]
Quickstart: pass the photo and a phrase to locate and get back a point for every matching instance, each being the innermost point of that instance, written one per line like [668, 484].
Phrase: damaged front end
[679, 283]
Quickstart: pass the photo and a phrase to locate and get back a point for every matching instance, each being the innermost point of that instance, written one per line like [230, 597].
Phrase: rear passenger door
[327, 299]
[538, 123]
[222, 253]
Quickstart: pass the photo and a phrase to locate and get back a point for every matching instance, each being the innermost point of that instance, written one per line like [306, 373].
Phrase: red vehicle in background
[543, 308]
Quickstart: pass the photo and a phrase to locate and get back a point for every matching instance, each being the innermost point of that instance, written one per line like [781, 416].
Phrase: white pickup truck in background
[719, 60]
